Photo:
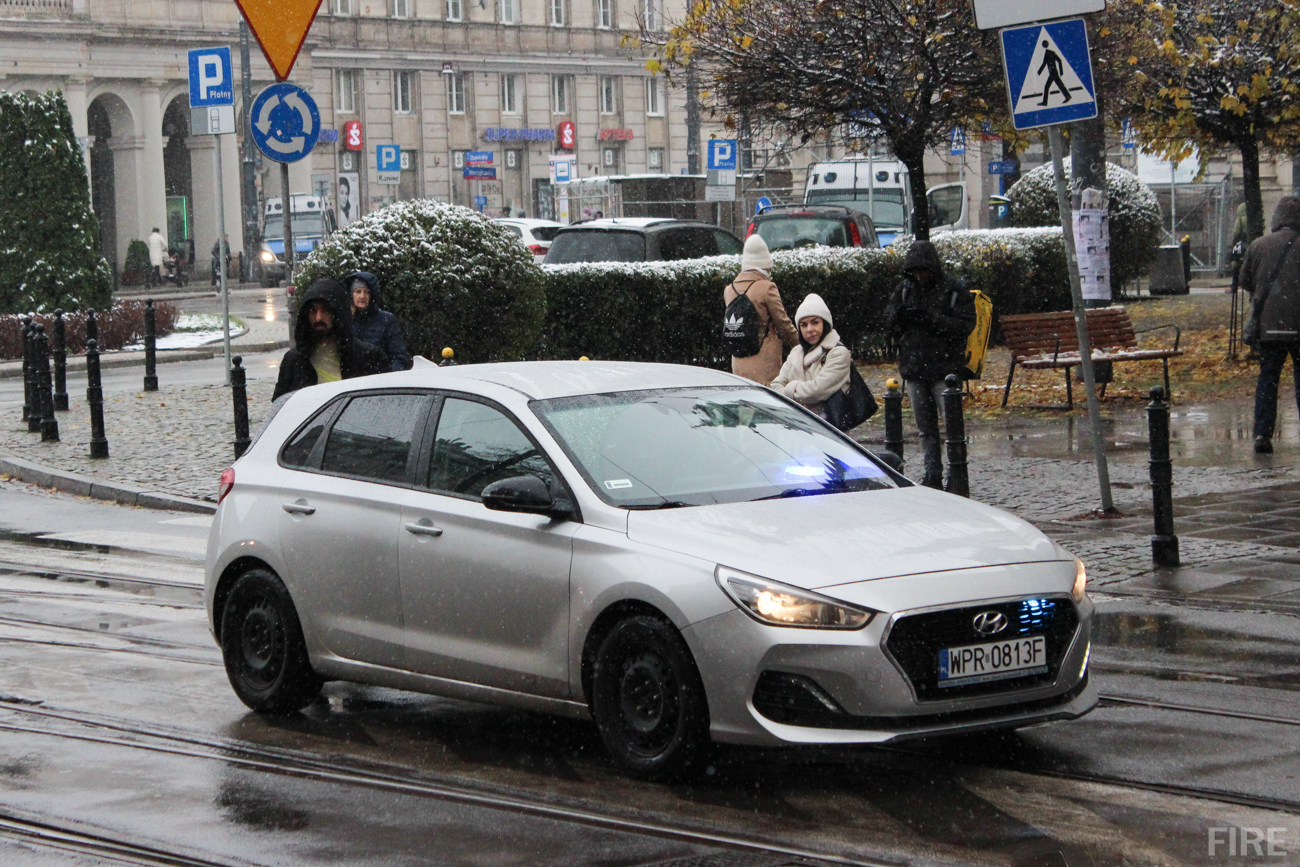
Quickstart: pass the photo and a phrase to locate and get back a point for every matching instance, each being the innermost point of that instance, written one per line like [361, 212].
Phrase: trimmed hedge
[672, 311]
[121, 325]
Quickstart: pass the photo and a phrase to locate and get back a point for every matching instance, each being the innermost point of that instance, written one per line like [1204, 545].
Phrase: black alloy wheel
[263, 648]
[648, 700]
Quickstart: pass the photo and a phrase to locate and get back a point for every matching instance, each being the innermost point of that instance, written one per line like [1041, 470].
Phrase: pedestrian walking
[819, 366]
[325, 349]
[755, 324]
[931, 314]
[1271, 274]
[372, 323]
[216, 259]
[158, 256]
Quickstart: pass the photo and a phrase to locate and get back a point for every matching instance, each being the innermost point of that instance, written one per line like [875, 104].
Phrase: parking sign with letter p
[211, 81]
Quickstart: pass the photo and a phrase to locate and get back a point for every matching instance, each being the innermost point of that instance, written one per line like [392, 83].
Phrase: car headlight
[779, 605]
[1080, 580]
[268, 256]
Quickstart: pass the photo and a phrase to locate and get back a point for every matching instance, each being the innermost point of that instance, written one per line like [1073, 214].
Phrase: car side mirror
[527, 494]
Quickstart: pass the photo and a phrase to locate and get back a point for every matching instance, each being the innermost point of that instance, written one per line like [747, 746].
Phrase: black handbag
[847, 411]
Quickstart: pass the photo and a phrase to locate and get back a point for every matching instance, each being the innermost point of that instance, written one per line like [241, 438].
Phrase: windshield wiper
[666, 504]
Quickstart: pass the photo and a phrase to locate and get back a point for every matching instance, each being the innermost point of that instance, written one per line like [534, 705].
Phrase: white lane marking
[196, 521]
[135, 540]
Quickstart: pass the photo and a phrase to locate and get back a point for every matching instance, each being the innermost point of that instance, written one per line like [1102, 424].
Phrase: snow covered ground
[194, 330]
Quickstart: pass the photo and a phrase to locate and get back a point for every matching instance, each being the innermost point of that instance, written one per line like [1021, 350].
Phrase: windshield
[303, 225]
[789, 233]
[544, 233]
[596, 245]
[696, 446]
[887, 210]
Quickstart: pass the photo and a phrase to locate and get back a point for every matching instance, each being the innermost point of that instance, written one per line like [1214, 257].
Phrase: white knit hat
[756, 254]
[813, 305]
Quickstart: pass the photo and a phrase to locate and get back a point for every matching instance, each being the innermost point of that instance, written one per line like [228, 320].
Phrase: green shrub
[1134, 216]
[672, 311]
[451, 276]
[137, 257]
[49, 237]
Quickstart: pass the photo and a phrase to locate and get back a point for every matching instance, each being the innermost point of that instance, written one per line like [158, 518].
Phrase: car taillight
[538, 249]
[751, 230]
[227, 482]
[854, 234]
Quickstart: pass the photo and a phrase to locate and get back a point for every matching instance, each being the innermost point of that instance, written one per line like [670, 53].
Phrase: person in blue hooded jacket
[373, 324]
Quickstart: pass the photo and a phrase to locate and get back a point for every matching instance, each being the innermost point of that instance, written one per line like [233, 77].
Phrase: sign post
[212, 112]
[1049, 82]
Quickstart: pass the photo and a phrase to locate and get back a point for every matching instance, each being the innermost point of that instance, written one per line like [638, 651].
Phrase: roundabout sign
[285, 122]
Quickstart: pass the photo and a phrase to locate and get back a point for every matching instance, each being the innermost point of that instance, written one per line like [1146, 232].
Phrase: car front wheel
[263, 648]
[648, 700]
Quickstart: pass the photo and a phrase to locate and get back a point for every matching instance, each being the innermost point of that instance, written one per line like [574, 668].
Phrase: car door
[341, 517]
[948, 207]
[485, 594]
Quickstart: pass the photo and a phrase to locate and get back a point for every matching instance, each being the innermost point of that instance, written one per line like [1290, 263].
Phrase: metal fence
[1205, 213]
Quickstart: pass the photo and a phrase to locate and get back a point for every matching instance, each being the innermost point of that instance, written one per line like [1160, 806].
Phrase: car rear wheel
[648, 700]
[263, 648]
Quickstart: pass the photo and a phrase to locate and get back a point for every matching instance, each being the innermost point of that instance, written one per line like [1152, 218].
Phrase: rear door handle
[299, 508]
[423, 529]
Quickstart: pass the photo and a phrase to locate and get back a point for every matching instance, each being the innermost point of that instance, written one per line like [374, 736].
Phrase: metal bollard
[894, 417]
[48, 424]
[1164, 544]
[60, 362]
[448, 357]
[95, 397]
[28, 369]
[92, 327]
[955, 427]
[239, 394]
[150, 347]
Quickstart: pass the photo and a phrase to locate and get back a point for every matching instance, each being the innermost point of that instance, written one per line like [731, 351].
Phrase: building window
[559, 94]
[455, 93]
[509, 11]
[345, 89]
[607, 103]
[653, 14]
[654, 159]
[605, 14]
[402, 92]
[454, 10]
[654, 97]
[402, 8]
[509, 94]
[557, 13]
[341, 7]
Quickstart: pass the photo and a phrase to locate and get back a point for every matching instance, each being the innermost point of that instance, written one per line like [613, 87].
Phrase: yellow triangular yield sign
[280, 27]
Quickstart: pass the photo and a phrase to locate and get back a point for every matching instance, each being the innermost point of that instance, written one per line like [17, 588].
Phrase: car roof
[526, 222]
[633, 223]
[542, 380]
[812, 210]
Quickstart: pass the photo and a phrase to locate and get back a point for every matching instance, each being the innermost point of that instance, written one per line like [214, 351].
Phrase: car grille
[914, 642]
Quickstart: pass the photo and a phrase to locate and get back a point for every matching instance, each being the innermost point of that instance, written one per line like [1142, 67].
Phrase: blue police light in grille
[1035, 615]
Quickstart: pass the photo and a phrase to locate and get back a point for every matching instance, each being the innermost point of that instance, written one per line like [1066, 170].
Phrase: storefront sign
[497, 133]
[352, 135]
[568, 135]
[614, 135]
[329, 136]
[478, 158]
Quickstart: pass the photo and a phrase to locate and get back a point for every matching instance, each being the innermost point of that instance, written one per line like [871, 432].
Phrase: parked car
[794, 226]
[640, 239]
[536, 235]
[674, 552]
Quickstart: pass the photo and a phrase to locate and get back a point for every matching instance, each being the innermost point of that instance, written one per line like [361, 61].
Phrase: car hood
[832, 539]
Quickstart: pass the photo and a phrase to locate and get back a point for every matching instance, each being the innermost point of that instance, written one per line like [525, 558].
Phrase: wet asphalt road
[120, 740]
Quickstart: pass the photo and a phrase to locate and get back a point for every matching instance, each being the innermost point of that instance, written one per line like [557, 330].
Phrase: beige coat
[811, 378]
[772, 322]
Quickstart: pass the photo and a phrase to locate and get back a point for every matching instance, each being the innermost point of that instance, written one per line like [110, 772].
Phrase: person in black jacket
[373, 324]
[1270, 274]
[325, 349]
[931, 314]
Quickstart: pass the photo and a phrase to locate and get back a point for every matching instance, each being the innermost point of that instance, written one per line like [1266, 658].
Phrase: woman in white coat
[820, 364]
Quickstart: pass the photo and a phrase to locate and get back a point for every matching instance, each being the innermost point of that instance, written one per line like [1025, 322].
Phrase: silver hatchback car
[674, 552]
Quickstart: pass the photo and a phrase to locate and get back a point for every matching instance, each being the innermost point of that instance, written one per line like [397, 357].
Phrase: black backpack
[740, 327]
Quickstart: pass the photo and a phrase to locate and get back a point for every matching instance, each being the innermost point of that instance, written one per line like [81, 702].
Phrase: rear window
[545, 233]
[596, 245]
[791, 233]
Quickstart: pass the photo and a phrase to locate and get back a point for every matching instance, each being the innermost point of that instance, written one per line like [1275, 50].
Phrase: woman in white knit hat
[819, 366]
[754, 282]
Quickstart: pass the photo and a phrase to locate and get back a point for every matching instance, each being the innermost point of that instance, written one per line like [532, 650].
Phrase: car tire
[648, 701]
[263, 648]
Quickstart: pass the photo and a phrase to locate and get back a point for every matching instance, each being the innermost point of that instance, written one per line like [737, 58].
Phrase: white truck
[880, 189]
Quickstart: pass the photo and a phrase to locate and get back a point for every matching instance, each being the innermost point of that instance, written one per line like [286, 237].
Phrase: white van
[880, 189]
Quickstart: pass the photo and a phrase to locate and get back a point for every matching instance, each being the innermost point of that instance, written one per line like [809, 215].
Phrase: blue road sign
[1049, 73]
[478, 158]
[480, 173]
[388, 158]
[285, 122]
[211, 82]
[722, 154]
[1003, 167]
[762, 205]
[1128, 135]
[958, 145]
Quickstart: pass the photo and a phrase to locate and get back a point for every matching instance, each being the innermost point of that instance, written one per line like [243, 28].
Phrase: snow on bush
[451, 276]
[1134, 216]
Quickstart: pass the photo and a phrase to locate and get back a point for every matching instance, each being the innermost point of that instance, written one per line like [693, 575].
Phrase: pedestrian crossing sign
[1049, 73]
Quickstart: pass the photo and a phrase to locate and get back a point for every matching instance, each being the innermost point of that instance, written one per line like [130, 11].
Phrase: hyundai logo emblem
[990, 622]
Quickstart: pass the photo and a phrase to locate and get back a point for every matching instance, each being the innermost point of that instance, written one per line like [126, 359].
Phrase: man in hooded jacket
[1271, 274]
[373, 324]
[931, 314]
[325, 349]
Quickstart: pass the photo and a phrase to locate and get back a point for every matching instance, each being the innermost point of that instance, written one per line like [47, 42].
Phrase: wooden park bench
[1040, 341]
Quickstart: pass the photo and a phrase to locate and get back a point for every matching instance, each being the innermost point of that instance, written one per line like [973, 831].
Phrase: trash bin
[999, 212]
[1168, 276]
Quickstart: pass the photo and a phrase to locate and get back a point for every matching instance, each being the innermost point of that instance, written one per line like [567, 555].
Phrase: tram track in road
[48, 836]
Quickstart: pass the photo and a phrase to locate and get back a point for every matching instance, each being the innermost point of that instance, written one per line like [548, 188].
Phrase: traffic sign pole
[222, 253]
[287, 208]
